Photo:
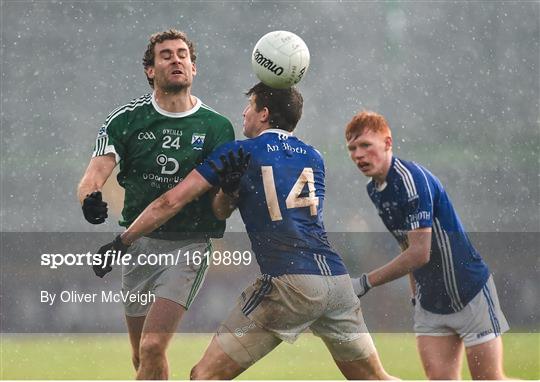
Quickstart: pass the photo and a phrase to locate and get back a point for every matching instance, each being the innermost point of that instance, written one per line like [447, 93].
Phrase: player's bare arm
[415, 256]
[171, 203]
[98, 171]
[89, 190]
[412, 285]
[166, 206]
[223, 205]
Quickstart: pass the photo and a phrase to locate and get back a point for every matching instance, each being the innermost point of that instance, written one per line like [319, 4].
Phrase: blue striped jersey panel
[413, 198]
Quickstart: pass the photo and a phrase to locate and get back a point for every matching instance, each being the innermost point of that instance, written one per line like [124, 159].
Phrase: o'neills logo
[266, 63]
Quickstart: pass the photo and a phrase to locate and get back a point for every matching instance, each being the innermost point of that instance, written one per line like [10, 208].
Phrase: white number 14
[293, 200]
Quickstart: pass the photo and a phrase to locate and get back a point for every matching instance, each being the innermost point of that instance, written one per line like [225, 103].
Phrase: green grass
[108, 357]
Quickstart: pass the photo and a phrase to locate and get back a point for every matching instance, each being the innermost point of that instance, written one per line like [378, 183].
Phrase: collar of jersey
[181, 114]
[389, 177]
[277, 131]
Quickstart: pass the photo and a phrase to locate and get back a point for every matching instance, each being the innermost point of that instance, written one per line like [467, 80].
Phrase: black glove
[232, 170]
[105, 262]
[94, 208]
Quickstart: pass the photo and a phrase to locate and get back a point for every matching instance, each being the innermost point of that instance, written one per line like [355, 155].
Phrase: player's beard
[175, 88]
[172, 87]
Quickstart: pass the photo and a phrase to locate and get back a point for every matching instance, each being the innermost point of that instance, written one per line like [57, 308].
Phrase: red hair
[367, 121]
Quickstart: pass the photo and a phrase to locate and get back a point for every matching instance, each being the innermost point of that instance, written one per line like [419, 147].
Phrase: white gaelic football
[280, 59]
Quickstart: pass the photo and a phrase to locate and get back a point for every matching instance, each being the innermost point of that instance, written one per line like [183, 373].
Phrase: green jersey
[156, 149]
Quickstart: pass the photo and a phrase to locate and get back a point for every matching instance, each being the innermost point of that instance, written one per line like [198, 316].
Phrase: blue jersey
[413, 198]
[281, 203]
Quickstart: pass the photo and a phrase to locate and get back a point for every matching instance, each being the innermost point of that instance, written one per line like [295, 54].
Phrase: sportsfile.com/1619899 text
[196, 258]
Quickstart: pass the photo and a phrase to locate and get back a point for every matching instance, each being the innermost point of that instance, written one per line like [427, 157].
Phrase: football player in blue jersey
[454, 295]
[304, 283]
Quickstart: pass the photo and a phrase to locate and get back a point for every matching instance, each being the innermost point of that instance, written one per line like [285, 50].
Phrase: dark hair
[284, 105]
[156, 38]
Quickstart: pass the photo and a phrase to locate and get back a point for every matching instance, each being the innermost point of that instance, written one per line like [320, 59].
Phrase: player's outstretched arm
[89, 191]
[166, 206]
[230, 172]
[223, 205]
[415, 256]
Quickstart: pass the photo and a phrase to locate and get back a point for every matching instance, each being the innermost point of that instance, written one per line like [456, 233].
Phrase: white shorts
[174, 279]
[280, 308]
[481, 320]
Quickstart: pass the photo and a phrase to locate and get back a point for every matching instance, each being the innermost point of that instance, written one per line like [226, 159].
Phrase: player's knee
[136, 360]
[488, 377]
[200, 373]
[151, 348]
[488, 373]
[193, 374]
[437, 374]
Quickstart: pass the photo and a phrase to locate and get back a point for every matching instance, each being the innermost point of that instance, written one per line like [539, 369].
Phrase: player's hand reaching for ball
[94, 208]
[233, 167]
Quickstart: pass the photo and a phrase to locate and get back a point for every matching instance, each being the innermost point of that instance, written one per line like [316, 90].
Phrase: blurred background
[458, 82]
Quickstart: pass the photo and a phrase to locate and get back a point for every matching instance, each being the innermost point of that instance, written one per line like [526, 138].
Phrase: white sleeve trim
[108, 149]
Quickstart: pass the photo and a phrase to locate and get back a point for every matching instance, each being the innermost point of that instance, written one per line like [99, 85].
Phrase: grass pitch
[60, 357]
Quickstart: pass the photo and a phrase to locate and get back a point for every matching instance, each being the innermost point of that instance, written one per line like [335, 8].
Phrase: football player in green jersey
[157, 140]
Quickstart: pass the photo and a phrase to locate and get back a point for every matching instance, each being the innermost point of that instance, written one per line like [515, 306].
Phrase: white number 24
[168, 142]
[293, 200]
